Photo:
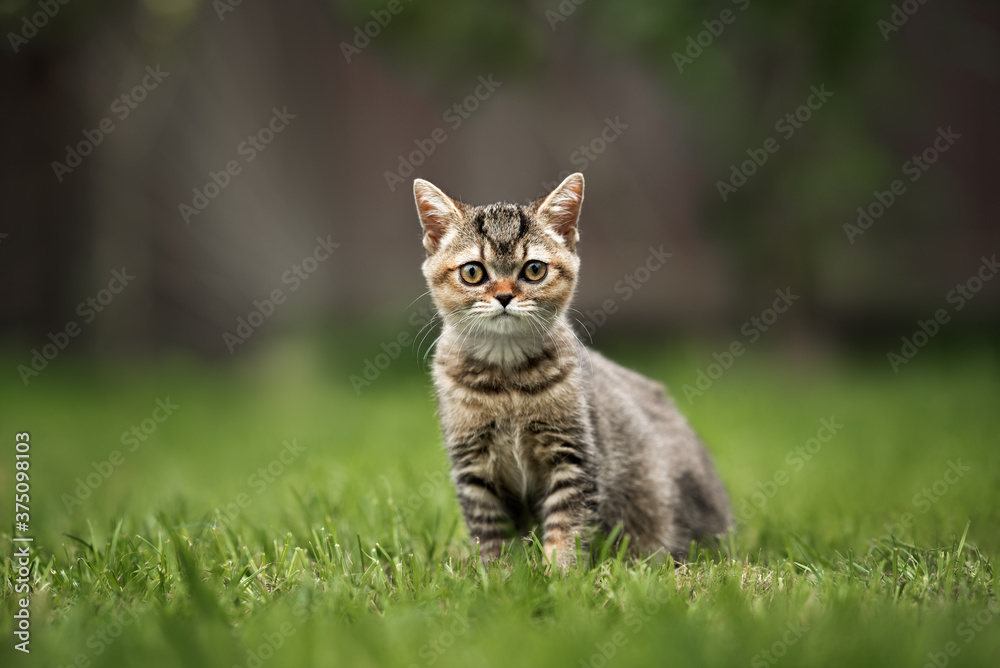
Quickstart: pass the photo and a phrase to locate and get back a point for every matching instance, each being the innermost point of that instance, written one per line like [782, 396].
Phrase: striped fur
[539, 429]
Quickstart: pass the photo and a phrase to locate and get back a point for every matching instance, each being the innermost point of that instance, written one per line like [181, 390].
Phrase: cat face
[502, 269]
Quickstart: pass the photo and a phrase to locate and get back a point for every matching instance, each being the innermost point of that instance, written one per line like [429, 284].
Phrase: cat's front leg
[570, 505]
[485, 514]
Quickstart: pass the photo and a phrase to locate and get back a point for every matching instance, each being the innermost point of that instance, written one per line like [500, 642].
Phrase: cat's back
[609, 377]
[651, 453]
[624, 397]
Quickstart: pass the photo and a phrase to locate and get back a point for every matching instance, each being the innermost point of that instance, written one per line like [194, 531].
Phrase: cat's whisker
[535, 329]
[546, 330]
[436, 316]
[479, 325]
[589, 335]
[552, 319]
[445, 329]
[427, 326]
[422, 360]
[465, 319]
[475, 325]
[430, 348]
[434, 344]
[585, 349]
[415, 300]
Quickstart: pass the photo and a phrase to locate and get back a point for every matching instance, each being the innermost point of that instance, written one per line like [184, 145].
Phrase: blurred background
[120, 118]
[209, 248]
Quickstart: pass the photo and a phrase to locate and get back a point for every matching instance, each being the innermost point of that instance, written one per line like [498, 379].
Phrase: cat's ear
[561, 209]
[437, 212]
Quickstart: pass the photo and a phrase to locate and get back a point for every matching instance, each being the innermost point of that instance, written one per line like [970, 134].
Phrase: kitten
[537, 426]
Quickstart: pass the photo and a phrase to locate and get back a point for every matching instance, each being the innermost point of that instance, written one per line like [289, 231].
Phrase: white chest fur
[513, 463]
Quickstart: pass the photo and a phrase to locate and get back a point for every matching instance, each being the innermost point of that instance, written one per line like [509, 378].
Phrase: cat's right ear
[437, 213]
[561, 209]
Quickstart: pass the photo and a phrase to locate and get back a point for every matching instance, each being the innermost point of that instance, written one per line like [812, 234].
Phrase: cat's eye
[472, 273]
[534, 271]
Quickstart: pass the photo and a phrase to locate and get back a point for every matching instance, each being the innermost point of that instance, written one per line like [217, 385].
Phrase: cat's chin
[504, 339]
[506, 322]
[503, 350]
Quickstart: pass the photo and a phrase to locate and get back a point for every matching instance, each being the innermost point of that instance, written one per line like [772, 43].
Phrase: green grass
[355, 554]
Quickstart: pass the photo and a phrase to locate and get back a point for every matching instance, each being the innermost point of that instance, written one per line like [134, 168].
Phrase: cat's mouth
[505, 321]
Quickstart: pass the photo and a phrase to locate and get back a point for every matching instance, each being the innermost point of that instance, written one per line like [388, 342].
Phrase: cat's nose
[504, 298]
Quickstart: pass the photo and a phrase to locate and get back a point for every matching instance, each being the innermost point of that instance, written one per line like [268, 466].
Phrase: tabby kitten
[536, 426]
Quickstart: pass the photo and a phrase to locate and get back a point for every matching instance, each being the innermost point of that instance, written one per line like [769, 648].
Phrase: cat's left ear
[437, 212]
[561, 209]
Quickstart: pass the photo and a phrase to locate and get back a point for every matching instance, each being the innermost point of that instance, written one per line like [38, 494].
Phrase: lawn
[264, 513]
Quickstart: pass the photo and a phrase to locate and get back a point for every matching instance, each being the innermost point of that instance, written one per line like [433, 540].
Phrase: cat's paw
[559, 557]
